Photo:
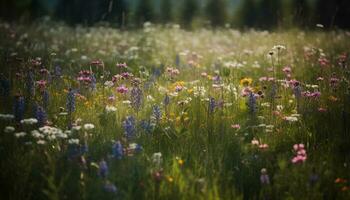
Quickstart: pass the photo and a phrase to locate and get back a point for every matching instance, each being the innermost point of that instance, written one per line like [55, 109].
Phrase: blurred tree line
[262, 14]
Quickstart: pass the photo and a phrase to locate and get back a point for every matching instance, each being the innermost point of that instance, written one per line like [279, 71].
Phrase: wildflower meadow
[161, 112]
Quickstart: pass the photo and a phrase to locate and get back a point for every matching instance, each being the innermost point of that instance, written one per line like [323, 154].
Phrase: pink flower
[235, 126]
[204, 74]
[122, 89]
[320, 78]
[121, 65]
[287, 70]
[255, 142]
[322, 109]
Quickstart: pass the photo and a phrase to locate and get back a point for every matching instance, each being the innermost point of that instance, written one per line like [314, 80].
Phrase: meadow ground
[164, 113]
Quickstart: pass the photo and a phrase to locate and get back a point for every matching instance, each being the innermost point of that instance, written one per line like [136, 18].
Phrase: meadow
[165, 113]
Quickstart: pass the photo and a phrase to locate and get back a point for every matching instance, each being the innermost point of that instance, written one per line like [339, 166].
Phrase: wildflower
[73, 141]
[9, 129]
[45, 98]
[29, 121]
[41, 142]
[40, 115]
[212, 104]
[109, 84]
[251, 103]
[70, 101]
[300, 154]
[264, 177]
[30, 82]
[122, 89]
[246, 81]
[157, 159]
[236, 126]
[103, 169]
[89, 126]
[136, 98]
[6, 116]
[121, 65]
[255, 142]
[129, 127]
[110, 109]
[20, 134]
[156, 112]
[291, 118]
[279, 47]
[117, 150]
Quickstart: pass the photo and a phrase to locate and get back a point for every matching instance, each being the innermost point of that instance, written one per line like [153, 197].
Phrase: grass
[221, 128]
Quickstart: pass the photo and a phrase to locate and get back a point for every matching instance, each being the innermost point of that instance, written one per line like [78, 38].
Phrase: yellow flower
[181, 162]
[190, 91]
[170, 179]
[245, 81]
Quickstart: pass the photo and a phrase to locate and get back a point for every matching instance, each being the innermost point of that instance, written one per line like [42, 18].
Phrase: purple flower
[129, 127]
[251, 103]
[70, 101]
[136, 98]
[166, 100]
[103, 169]
[40, 115]
[212, 104]
[117, 150]
[157, 113]
[110, 187]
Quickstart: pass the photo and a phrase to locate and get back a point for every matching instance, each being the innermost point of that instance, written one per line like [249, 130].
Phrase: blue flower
[30, 81]
[157, 113]
[46, 98]
[166, 100]
[103, 169]
[40, 115]
[212, 104]
[136, 98]
[117, 150]
[70, 101]
[147, 126]
[129, 127]
[110, 187]
[252, 103]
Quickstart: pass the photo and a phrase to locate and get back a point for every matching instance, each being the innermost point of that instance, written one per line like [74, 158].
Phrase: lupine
[19, 106]
[103, 169]
[136, 97]
[129, 127]
[264, 177]
[117, 150]
[57, 71]
[157, 113]
[70, 104]
[40, 115]
[251, 103]
[212, 104]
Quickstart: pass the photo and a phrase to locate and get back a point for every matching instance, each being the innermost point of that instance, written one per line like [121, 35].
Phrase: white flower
[110, 109]
[20, 134]
[29, 121]
[9, 129]
[73, 141]
[42, 142]
[6, 116]
[36, 134]
[291, 119]
[76, 128]
[89, 126]
[157, 158]
[266, 104]
[150, 98]
[279, 47]
[109, 83]
[279, 107]
[126, 102]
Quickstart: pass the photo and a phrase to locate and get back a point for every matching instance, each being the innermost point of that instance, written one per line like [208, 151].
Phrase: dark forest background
[260, 14]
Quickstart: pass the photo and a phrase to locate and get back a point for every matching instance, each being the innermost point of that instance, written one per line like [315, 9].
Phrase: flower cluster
[300, 154]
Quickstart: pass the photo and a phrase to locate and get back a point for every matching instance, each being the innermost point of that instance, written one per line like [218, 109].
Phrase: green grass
[203, 157]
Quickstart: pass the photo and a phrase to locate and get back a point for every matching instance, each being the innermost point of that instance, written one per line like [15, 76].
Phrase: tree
[166, 11]
[216, 11]
[144, 11]
[189, 11]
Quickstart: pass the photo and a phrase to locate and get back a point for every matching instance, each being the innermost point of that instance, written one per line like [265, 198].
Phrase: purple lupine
[93, 82]
[117, 150]
[212, 105]
[40, 115]
[70, 104]
[136, 97]
[103, 169]
[264, 177]
[252, 103]
[156, 112]
[129, 127]
[57, 71]
[18, 108]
